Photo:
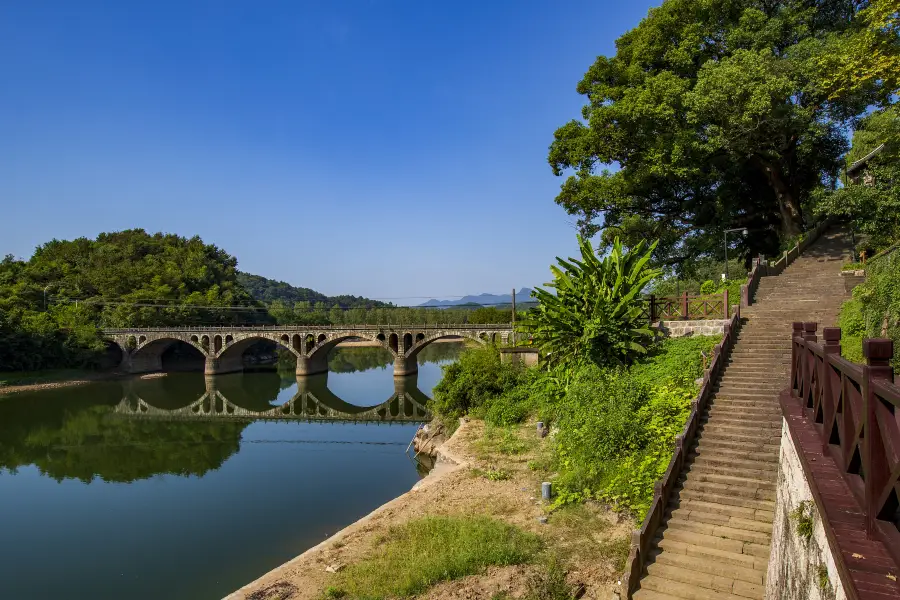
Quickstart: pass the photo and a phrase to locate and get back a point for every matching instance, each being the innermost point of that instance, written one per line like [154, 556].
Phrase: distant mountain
[522, 296]
[268, 290]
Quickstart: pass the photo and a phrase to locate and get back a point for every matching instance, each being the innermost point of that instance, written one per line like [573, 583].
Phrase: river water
[186, 487]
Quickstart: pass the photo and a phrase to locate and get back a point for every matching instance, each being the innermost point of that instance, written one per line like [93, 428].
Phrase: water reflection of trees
[73, 434]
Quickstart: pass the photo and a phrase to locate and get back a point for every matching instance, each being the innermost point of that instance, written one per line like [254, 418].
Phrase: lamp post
[743, 231]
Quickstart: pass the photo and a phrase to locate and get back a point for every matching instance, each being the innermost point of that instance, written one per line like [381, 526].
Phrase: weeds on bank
[587, 535]
[492, 474]
[504, 440]
[426, 551]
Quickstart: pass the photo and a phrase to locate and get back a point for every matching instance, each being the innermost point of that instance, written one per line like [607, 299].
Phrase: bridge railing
[296, 328]
[855, 409]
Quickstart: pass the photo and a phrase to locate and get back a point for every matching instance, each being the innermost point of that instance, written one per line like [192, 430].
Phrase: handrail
[748, 290]
[854, 410]
[642, 538]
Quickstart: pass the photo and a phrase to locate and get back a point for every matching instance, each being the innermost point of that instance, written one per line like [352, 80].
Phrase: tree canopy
[718, 116]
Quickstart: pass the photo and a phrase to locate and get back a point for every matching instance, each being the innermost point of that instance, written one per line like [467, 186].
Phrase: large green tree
[716, 115]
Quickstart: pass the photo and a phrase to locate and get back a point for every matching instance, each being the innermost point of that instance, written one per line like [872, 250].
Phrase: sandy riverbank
[592, 540]
[92, 378]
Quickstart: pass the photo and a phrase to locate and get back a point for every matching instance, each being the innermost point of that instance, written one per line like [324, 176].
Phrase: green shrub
[597, 311]
[514, 406]
[708, 287]
[426, 551]
[874, 310]
[475, 379]
[676, 360]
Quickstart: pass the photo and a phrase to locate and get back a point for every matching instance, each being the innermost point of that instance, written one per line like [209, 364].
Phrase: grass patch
[427, 551]
[492, 474]
[504, 440]
[549, 582]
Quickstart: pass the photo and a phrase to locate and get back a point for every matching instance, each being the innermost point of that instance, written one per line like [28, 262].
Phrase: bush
[708, 287]
[676, 361]
[597, 312]
[874, 310]
[474, 380]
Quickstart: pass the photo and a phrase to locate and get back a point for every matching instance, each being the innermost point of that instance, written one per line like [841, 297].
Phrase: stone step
[744, 390]
[754, 415]
[743, 512]
[720, 531]
[737, 437]
[701, 565]
[761, 456]
[699, 516]
[697, 475]
[740, 445]
[762, 468]
[727, 500]
[703, 585]
[740, 490]
[686, 591]
[648, 594]
[761, 395]
[745, 422]
[722, 556]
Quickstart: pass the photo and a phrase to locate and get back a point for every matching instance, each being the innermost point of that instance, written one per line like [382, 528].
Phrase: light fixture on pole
[743, 231]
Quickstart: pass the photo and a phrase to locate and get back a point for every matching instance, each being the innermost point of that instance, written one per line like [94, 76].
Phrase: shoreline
[592, 539]
[446, 463]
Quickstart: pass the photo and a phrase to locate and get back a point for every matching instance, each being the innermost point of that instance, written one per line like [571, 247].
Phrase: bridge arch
[147, 356]
[230, 357]
[425, 340]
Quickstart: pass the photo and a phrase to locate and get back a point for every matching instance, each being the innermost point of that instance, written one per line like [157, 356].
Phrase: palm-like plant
[596, 312]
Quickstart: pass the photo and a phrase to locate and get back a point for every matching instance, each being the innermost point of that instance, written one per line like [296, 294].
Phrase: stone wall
[800, 567]
[682, 328]
[852, 279]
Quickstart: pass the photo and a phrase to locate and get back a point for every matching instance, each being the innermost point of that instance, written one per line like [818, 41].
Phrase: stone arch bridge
[223, 347]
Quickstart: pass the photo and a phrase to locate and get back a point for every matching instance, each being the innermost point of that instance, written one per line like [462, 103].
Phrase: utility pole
[514, 316]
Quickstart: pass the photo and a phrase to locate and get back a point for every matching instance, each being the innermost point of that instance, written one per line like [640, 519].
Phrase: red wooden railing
[856, 411]
[687, 308]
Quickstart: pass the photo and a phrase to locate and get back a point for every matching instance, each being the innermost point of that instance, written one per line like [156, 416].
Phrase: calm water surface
[185, 487]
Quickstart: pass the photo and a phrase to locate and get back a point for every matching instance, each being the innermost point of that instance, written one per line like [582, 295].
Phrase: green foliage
[676, 361]
[490, 315]
[426, 551]
[822, 573]
[597, 310]
[871, 205]
[269, 290]
[874, 310]
[802, 516]
[616, 427]
[472, 381]
[717, 115]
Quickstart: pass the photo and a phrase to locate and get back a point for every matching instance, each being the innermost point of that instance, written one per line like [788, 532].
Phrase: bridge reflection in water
[238, 397]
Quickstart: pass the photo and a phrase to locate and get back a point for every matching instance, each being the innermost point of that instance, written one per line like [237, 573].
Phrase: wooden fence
[856, 411]
[687, 308]
[642, 538]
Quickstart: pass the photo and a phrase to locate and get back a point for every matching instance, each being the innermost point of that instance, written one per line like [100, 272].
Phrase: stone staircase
[714, 542]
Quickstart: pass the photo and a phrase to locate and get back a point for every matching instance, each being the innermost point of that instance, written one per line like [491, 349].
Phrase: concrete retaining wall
[800, 568]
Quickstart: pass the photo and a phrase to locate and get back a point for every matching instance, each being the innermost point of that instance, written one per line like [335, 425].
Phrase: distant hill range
[523, 296]
[269, 290]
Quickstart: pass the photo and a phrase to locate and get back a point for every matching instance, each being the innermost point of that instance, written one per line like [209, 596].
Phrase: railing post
[832, 345]
[796, 377]
[878, 353]
[725, 302]
[809, 335]
[745, 294]
[684, 306]
[652, 308]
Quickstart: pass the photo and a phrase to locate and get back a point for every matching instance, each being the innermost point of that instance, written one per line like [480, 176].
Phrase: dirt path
[592, 540]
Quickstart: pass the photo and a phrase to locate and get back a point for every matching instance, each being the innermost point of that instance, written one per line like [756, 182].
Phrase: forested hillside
[269, 290]
[52, 304]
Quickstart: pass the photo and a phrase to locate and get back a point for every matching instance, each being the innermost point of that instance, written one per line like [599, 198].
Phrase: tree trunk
[788, 207]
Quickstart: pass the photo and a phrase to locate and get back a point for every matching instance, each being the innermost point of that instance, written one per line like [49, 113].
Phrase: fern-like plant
[596, 312]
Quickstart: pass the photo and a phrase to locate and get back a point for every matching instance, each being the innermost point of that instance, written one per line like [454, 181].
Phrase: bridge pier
[142, 362]
[312, 365]
[220, 366]
[404, 366]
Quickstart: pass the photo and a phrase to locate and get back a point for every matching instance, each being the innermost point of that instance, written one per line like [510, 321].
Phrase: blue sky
[392, 149]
